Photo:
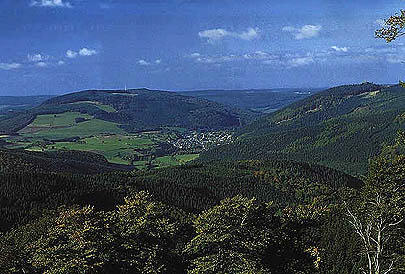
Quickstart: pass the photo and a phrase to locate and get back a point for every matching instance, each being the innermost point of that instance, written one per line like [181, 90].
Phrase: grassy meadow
[82, 132]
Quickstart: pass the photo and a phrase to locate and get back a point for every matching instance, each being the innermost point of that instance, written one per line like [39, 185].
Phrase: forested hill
[137, 109]
[78, 162]
[46, 180]
[85, 218]
[341, 127]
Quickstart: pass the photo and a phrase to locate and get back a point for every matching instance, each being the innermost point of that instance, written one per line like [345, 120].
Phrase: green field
[101, 106]
[114, 148]
[82, 132]
[62, 126]
[137, 150]
[58, 120]
[65, 132]
[175, 159]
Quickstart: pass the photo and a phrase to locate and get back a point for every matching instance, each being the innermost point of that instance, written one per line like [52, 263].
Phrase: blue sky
[58, 46]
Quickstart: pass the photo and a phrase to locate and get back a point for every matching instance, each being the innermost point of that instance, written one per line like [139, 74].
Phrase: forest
[227, 217]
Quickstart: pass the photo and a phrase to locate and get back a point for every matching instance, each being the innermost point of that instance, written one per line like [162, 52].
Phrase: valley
[81, 132]
[141, 128]
[227, 158]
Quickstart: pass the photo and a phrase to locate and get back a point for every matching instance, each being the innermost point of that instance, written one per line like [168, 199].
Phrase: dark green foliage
[29, 183]
[79, 162]
[143, 236]
[341, 128]
[139, 236]
[199, 187]
[11, 123]
[241, 235]
[148, 236]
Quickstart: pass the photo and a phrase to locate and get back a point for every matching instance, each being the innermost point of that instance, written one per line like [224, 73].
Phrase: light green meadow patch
[115, 148]
[106, 108]
[58, 120]
[83, 129]
[114, 143]
[166, 161]
[184, 158]
[175, 159]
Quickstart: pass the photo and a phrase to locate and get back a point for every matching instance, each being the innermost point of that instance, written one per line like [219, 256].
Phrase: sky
[59, 46]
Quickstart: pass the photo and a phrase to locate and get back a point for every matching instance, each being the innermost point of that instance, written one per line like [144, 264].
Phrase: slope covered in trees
[192, 219]
[31, 182]
[98, 229]
[341, 128]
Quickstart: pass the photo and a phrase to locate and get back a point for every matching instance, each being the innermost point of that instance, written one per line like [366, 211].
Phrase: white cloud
[87, 52]
[250, 34]
[143, 63]
[9, 66]
[158, 61]
[51, 3]
[301, 61]
[340, 49]
[41, 64]
[258, 55]
[61, 62]
[218, 59]
[213, 35]
[305, 32]
[71, 54]
[36, 57]
[82, 52]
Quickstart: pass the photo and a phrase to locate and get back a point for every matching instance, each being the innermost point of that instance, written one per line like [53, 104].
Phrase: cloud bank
[82, 52]
[9, 66]
[213, 35]
[305, 32]
[51, 4]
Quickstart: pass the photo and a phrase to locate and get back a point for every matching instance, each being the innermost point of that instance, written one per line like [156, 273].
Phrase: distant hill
[135, 110]
[18, 103]
[262, 100]
[341, 127]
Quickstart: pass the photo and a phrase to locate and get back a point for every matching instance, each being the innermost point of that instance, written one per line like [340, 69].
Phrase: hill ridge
[352, 125]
